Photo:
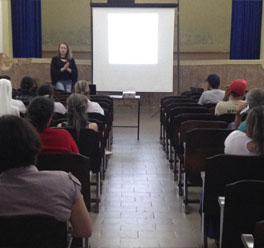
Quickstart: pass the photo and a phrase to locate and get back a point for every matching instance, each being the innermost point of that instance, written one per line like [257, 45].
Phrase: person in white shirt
[46, 90]
[20, 105]
[17, 103]
[6, 106]
[213, 94]
[82, 87]
[251, 142]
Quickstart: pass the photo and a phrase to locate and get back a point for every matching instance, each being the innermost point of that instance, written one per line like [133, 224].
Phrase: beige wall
[204, 24]
[66, 20]
[7, 28]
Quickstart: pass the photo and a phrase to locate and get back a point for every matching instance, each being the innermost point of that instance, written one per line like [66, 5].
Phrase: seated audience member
[213, 94]
[82, 87]
[234, 96]
[26, 91]
[17, 103]
[6, 105]
[53, 140]
[26, 191]
[77, 117]
[254, 98]
[46, 91]
[251, 142]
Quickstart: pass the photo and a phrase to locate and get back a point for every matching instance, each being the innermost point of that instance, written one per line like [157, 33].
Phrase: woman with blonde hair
[63, 70]
[6, 106]
[77, 117]
[82, 87]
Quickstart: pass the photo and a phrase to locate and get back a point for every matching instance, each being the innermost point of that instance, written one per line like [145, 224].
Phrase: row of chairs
[192, 135]
[189, 133]
[44, 231]
[240, 180]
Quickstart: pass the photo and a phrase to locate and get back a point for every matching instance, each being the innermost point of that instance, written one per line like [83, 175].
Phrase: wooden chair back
[76, 164]
[201, 143]
[32, 231]
[89, 144]
[228, 118]
[244, 204]
[221, 170]
[193, 124]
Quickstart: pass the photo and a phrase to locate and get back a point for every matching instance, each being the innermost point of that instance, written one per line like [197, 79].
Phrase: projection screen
[133, 49]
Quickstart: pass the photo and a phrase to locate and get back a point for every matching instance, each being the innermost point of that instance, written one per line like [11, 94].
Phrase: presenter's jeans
[65, 85]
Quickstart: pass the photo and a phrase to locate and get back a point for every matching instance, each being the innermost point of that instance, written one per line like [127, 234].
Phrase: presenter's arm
[74, 71]
[54, 70]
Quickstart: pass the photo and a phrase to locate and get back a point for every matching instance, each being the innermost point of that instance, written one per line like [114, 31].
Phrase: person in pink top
[53, 140]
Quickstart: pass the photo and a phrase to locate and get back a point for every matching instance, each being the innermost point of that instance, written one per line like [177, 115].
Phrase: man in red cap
[233, 97]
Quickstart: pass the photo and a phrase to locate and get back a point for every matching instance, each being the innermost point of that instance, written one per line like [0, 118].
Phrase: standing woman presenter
[63, 70]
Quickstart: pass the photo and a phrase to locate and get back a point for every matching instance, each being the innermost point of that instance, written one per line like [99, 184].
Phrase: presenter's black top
[56, 74]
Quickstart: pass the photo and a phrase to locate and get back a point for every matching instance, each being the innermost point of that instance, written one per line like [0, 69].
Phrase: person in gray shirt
[26, 191]
[213, 95]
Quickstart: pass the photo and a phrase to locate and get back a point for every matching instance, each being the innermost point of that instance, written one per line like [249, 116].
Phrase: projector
[129, 94]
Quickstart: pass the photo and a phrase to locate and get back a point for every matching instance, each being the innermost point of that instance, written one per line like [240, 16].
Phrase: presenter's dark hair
[19, 143]
[40, 111]
[214, 81]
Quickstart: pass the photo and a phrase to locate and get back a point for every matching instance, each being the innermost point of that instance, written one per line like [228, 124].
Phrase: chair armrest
[221, 201]
[247, 240]
[203, 176]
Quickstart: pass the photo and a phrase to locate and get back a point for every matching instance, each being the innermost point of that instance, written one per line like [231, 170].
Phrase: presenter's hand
[65, 67]
[69, 70]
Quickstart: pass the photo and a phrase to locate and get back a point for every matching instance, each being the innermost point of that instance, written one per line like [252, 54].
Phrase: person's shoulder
[221, 103]
[60, 177]
[59, 108]
[242, 127]
[55, 58]
[235, 136]
[58, 131]
[15, 110]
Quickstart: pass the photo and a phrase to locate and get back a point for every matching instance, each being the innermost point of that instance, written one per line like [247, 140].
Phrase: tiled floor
[140, 206]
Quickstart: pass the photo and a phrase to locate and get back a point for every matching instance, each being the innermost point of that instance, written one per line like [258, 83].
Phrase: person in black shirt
[63, 70]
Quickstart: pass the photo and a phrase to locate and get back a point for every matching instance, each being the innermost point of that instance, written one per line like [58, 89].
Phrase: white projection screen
[133, 49]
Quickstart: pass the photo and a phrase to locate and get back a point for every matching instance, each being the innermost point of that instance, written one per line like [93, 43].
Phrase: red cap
[238, 86]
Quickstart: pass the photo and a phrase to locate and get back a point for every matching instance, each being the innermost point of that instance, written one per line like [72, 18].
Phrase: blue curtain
[26, 28]
[246, 29]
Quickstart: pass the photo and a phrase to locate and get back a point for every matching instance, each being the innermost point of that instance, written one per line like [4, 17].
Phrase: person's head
[19, 143]
[255, 128]
[5, 77]
[40, 112]
[82, 87]
[77, 116]
[238, 87]
[213, 81]
[45, 90]
[255, 97]
[64, 50]
[27, 83]
[5, 97]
